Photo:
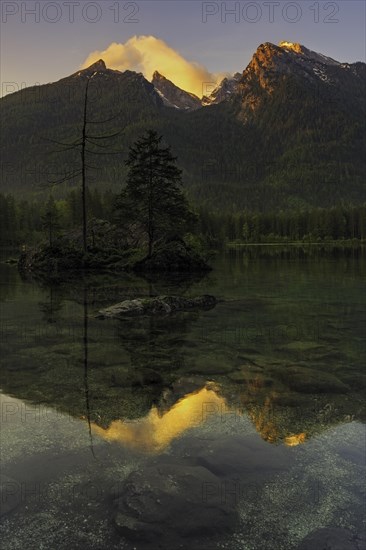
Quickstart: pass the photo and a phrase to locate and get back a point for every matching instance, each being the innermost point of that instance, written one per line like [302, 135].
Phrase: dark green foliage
[339, 223]
[20, 222]
[50, 220]
[153, 198]
[304, 148]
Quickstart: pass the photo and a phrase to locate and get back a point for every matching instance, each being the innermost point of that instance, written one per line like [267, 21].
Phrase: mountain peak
[172, 95]
[294, 46]
[158, 76]
[224, 90]
[307, 54]
[97, 66]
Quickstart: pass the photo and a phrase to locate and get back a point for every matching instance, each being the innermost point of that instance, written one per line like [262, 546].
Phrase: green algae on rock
[157, 305]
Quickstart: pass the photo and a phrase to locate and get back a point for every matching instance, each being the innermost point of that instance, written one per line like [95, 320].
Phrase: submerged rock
[169, 502]
[247, 458]
[130, 377]
[157, 305]
[332, 538]
[306, 380]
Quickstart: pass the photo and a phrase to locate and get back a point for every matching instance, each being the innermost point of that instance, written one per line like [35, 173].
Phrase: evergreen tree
[153, 198]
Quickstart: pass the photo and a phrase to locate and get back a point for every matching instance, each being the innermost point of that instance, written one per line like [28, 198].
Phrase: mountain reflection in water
[267, 389]
[154, 432]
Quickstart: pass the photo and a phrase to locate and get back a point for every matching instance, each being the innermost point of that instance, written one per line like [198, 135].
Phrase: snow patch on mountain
[173, 96]
[166, 101]
[226, 88]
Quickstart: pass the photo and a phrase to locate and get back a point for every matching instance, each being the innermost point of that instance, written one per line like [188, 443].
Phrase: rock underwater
[167, 503]
[156, 306]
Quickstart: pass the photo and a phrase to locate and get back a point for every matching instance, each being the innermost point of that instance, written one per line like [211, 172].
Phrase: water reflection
[150, 369]
[297, 251]
[294, 440]
[86, 371]
[158, 429]
[182, 388]
[52, 306]
[154, 432]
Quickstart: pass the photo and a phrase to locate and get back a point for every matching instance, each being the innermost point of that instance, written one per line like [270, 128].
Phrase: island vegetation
[26, 221]
[150, 227]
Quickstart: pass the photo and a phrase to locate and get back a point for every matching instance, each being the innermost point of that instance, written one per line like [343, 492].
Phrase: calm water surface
[254, 409]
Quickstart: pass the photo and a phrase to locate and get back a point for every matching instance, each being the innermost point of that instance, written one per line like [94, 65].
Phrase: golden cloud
[147, 54]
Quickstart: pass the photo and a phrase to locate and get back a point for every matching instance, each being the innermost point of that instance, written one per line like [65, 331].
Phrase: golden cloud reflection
[156, 431]
[293, 440]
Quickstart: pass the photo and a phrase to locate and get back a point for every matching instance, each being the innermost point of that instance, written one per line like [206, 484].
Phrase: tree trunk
[150, 222]
[83, 170]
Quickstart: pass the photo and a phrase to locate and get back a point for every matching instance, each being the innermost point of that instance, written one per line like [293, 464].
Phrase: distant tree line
[318, 224]
[27, 221]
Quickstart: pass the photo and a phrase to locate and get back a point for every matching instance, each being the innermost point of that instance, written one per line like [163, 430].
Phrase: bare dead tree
[83, 143]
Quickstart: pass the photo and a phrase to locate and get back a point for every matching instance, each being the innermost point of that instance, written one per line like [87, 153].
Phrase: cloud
[147, 54]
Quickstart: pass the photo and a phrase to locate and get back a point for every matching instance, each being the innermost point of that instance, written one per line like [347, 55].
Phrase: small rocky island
[151, 227]
[109, 251]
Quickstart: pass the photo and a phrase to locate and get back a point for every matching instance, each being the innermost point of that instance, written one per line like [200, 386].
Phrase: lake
[239, 427]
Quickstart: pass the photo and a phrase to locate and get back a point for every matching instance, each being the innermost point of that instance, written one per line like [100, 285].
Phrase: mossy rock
[251, 378]
[211, 365]
[311, 381]
[301, 346]
[130, 377]
[332, 538]
[158, 305]
[354, 380]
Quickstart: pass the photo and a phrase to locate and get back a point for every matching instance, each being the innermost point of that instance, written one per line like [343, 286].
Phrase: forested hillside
[290, 137]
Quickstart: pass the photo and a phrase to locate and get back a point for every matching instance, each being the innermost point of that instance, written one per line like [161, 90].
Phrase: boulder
[128, 377]
[248, 457]
[305, 380]
[157, 306]
[169, 502]
[332, 538]
[302, 379]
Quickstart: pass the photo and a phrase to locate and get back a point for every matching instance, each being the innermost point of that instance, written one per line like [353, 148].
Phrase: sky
[192, 42]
